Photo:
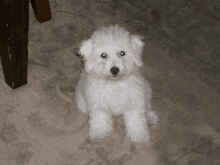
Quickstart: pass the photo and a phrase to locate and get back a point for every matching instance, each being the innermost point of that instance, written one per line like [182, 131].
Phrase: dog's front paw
[139, 136]
[136, 127]
[152, 116]
[99, 133]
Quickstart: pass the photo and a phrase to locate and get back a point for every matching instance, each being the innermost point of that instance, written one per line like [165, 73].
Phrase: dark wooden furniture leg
[41, 10]
[14, 37]
[14, 41]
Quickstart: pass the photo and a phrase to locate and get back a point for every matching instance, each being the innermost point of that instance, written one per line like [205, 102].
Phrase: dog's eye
[122, 53]
[103, 55]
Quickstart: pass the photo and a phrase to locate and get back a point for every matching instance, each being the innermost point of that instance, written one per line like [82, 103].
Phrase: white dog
[111, 84]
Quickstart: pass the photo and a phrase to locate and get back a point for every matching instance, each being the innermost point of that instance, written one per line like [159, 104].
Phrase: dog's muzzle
[114, 70]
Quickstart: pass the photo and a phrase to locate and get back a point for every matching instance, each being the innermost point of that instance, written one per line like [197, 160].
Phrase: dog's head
[112, 53]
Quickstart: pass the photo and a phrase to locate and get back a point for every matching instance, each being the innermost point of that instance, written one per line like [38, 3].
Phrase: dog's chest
[112, 96]
[117, 98]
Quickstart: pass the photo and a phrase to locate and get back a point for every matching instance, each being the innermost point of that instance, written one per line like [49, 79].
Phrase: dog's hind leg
[152, 116]
[81, 103]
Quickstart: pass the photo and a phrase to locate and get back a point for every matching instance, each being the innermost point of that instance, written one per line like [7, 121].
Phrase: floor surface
[39, 122]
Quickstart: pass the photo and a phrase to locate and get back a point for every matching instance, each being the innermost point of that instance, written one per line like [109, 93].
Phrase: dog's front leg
[136, 126]
[100, 123]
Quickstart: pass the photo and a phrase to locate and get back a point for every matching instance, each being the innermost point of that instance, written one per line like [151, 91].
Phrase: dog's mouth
[115, 77]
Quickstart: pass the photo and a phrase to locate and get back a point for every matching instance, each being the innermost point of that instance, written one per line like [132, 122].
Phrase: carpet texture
[39, 122]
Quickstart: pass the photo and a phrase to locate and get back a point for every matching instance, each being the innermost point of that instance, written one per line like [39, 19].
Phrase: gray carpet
[39, 122]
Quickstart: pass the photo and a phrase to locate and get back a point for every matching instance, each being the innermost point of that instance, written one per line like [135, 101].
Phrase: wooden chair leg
[41, 10]
[14, 37]
[14, 41]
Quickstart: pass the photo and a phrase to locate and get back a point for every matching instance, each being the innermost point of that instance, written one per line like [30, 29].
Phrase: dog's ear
[86, 48]
[137, 45]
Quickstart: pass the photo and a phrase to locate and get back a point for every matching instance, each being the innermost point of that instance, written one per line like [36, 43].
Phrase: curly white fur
[111, 84]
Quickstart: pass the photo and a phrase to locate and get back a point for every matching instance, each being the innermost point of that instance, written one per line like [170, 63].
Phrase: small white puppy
[111, 84]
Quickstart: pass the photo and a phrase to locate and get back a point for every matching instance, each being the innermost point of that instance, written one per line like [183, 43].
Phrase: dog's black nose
[114, 70]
